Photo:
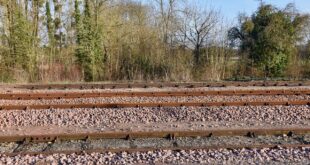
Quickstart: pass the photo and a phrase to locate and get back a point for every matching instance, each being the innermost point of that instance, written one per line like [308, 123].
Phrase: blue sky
[231, 8]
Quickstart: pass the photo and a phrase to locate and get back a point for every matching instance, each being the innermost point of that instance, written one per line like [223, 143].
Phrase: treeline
[274, 42]
[109, 40]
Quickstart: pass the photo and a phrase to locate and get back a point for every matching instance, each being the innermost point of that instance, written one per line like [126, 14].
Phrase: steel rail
[72, 95]
[154, 134]
[170, 104]
[159, 85]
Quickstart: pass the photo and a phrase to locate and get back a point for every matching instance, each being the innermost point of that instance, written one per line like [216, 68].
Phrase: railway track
[139, 141]
[159, 85]
[72, 95]
[147, 149]
[129, 141]
[170, 104]
[155, 134]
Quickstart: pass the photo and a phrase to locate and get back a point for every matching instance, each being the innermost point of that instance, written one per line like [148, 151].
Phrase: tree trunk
[197, 55]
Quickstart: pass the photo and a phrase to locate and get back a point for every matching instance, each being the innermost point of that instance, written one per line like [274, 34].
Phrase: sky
[231, 8]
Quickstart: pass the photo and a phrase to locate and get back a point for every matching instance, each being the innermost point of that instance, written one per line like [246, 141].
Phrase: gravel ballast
[158, 118]
[109, 118]
[224, 156]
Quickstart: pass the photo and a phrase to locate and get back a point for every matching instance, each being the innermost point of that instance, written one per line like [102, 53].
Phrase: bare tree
[196, 27]
[307, 31]
[98, 5]
[167, 11]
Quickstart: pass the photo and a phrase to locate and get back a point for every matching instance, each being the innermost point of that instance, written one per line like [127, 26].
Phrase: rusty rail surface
[154, 134]
[72, 95]
[136, 105]
[159, 85]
